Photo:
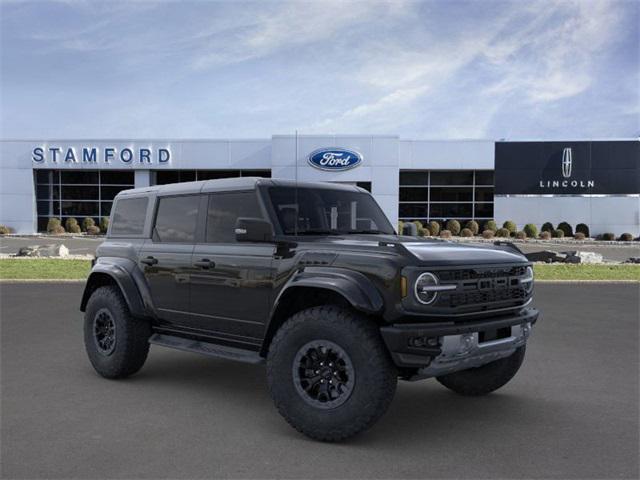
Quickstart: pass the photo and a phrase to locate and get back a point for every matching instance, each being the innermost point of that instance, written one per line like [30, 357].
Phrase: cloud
[419, 69]
[286, 25]
[553, 57]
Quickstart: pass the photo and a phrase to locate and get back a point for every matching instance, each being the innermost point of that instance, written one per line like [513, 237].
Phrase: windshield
[326, 211]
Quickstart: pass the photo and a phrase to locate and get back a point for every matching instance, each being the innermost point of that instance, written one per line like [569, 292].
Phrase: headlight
[527, 281]
[427, 287]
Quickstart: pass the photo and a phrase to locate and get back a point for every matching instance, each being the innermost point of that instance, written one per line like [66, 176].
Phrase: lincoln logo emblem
[566, 162]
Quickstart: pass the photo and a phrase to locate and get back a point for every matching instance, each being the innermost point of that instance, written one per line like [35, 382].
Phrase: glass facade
[162, 177]
[77, 193]
[446, 194]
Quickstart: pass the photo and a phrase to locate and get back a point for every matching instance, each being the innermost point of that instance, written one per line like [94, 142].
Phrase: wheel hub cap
[323, 374]
[104, 332]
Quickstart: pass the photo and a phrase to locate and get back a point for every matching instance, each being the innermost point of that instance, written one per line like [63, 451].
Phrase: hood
[429, 251]
[449, 253]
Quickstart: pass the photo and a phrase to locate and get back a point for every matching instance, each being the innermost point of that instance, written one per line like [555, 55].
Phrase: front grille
[483, 288]
[474, 298]
[475, 273]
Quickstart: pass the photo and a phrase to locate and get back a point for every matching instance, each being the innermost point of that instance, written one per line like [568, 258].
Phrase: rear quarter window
[176, 219]
[128, 216]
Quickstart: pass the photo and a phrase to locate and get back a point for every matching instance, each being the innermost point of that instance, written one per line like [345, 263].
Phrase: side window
[128, 216]
[176, 219]
[224, 210]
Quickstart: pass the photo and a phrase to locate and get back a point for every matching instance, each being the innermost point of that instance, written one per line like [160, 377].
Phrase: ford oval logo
[334, 159]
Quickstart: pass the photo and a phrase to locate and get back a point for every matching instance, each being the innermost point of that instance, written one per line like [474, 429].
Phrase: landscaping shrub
[511, 226]
[626, 237]
[545, 235]
[547, 227]
[400, 226]
[488, 234]
[557, 233]
[583, 228]
[608, 236]
[71, 225]
[57, 230]
[104, 224]
[466, 232]
[420, 230]
[52, 224]
[473, 226]
[93, 230]
[521, 235]
[445, 234]
[579, 236]
[434, 228]
[453, 226]
[424, 232]
[88, 222]
[491, 225]
[4, 230]
[503, 233]
[531, 230]
[566, 228]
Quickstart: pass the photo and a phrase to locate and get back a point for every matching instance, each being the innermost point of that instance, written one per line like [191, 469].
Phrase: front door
[166, 258]
[231, 287]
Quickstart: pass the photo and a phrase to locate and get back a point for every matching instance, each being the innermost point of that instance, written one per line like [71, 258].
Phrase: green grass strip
[565, 271]
[43, 269]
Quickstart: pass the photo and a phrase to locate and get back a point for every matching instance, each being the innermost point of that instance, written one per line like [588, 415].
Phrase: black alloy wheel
[323, 374]
[104, 331]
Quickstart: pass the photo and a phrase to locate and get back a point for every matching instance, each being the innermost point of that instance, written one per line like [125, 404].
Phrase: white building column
[142, 178]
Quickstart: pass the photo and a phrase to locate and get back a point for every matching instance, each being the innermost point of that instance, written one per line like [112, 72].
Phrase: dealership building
[596, 182]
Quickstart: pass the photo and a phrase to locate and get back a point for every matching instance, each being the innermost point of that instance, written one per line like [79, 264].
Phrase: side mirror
[253, 230]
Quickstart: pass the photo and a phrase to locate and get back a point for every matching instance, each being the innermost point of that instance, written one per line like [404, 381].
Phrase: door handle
[204, 263]
[149, 261]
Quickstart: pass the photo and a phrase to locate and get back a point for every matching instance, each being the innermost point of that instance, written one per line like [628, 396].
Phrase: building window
[162, 177]
[79, 194]
[443, 195]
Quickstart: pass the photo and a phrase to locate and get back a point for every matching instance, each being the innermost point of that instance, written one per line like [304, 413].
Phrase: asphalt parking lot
[571, 412]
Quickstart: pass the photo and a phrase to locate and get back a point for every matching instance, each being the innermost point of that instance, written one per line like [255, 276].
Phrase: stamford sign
[334, 159]
[94, 155]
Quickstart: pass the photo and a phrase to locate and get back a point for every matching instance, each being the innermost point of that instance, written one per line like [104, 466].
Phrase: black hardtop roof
[231, 184]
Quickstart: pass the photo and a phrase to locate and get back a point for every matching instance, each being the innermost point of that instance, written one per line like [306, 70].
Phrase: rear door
[166, 258]
[231, 287]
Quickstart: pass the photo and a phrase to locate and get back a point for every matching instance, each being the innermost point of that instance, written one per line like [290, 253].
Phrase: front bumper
[439, 348]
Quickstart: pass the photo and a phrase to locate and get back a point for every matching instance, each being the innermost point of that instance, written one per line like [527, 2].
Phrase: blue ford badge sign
[334, 159]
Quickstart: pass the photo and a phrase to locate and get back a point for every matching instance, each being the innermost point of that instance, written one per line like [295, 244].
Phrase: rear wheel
[117, 344]
[484, 379]
[329, 373]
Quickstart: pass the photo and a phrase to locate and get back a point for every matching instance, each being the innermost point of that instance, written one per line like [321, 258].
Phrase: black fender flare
[358, 290]
[355, 287]
[129, 279]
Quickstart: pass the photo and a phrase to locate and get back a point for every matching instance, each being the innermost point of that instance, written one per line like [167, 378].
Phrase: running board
[205, 348]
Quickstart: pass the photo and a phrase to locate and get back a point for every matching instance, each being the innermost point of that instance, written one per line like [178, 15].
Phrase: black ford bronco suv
[312, 280]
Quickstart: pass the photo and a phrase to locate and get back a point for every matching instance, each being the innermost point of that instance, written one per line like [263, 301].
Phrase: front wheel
[484, 379]
[117, 344]
[329, 373]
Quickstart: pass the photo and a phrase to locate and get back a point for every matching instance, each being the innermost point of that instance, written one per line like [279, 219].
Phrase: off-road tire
[131, 335]
[485, 379]
[375, 374]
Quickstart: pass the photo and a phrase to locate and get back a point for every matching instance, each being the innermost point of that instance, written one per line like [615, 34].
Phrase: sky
[420, 70]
